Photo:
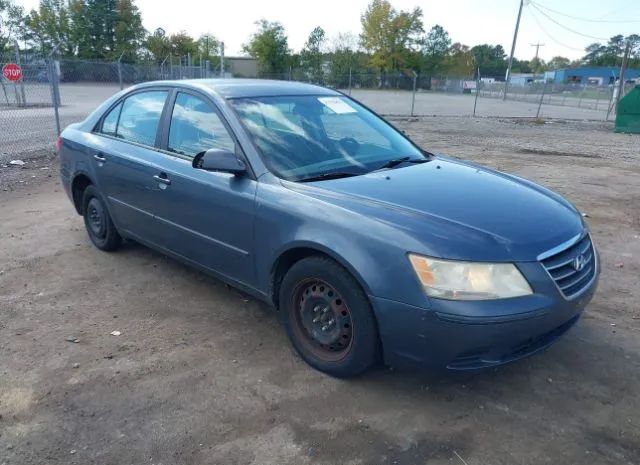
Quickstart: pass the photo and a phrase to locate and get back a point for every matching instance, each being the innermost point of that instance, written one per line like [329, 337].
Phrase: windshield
[308, 137]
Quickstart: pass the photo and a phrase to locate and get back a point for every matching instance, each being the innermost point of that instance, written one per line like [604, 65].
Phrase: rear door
[126, 158]
[206, 217]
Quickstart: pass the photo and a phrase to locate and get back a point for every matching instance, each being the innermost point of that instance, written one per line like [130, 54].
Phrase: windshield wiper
[397, 161]
[327, 176]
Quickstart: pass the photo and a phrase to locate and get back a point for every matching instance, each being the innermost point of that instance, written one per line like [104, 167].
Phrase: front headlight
[456, 280]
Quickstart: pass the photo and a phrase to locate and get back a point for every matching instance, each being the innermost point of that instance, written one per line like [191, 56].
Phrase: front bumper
[467, 335]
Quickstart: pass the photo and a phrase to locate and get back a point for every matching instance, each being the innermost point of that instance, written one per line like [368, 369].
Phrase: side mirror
[219, 160]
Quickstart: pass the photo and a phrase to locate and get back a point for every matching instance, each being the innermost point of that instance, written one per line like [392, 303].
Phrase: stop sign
[12, 72]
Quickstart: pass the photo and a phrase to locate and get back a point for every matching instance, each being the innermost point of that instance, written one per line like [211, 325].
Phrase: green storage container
[628, 117]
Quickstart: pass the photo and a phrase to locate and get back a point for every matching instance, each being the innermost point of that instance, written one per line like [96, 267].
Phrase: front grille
[572, 276]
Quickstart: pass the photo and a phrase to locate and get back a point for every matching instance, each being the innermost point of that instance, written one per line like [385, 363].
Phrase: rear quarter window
[110, 122]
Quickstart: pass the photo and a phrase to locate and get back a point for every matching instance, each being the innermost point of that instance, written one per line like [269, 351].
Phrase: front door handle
[99, 157]
[162, 179]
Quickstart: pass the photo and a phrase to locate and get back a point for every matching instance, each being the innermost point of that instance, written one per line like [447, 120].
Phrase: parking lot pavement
[203, 374]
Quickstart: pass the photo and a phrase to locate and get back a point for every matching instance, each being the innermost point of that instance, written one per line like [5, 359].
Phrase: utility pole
[513, 51]
[537, 46]
[623, 69]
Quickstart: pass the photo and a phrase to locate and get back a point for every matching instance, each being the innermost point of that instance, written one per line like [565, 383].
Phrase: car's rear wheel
[328, 317]
[97, 221]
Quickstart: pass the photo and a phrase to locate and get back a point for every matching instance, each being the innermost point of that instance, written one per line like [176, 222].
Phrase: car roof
[238, 88]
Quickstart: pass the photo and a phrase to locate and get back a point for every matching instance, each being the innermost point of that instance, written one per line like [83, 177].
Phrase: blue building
[596, 76]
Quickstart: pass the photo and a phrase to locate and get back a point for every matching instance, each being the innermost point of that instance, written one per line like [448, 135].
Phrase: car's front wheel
[328, 317]
[97, 221]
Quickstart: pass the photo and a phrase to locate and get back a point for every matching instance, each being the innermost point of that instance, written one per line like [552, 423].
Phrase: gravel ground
[202, 374]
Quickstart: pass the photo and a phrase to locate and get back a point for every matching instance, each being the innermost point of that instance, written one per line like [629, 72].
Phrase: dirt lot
[204, 375]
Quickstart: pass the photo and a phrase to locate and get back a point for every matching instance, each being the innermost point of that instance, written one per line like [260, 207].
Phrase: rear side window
[196, 127]
[137, 118]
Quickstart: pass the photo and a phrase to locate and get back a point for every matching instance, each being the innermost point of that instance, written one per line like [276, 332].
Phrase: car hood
[458, 210]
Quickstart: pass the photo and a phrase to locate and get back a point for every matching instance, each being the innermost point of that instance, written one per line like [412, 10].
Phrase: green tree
[208, 46]
[390, 36]
[182, 44]
[558, 62]
[158, 45]
[491, 59]
[209, 49]
[128, 31]
[269, 46]
[311, 56]
[79, 33]
[611, 53]
[436, 47]
[459, 61]
[49, 26]
[12, 25]
[101, 23]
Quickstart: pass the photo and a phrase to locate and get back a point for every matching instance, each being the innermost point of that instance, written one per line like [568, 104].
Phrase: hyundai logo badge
[579, 262]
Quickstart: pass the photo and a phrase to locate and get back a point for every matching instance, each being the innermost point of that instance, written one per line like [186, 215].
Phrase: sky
[471, 22]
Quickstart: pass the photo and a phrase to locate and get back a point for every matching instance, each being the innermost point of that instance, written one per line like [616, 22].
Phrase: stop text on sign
[12, 72]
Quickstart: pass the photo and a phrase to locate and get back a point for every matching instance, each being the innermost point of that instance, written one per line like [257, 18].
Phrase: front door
[206, 217]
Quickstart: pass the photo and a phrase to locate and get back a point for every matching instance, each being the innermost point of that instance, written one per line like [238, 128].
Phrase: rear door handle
[162, 178]
[99, 157]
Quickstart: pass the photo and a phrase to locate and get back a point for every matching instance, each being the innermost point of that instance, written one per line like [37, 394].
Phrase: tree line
[390, 41]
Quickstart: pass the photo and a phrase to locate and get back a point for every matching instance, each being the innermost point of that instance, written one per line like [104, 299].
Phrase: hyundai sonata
[368, 246]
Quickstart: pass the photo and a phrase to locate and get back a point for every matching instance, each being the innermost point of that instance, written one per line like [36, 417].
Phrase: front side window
[140, 117]
[196, 127]
[308, 136]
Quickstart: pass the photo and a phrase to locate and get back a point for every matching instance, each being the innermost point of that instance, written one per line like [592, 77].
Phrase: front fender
[371, 250]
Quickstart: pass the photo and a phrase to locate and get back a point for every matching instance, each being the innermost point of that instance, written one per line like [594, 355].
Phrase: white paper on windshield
[337, 105]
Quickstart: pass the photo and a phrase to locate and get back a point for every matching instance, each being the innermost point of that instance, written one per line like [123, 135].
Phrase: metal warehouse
[596, 76]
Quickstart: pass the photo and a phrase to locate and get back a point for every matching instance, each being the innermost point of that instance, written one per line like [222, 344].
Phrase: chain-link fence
[409, 94]
[29, 119]
[27, 111]
[52, 93]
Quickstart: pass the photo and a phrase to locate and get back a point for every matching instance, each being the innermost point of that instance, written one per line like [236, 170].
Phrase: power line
[589, 20]
[612, 12]
[566, 27]
[544, 31]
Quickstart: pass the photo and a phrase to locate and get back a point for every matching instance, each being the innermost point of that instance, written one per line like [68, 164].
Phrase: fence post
[221, 59]
[162, 67]
[611, 99]
[413, 96]
[17, 50]
[475, 102]
[581, 96]
[53, 84]
[120, 71]
[541, 99]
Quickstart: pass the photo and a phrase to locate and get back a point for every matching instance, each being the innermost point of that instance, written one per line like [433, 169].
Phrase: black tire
[316, 286]
[97, 221]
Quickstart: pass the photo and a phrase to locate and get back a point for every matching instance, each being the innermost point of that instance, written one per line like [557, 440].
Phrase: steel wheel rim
[322, 320]
[96, 218]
